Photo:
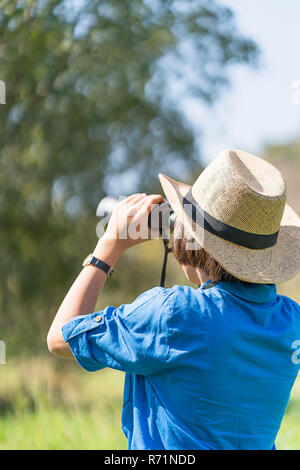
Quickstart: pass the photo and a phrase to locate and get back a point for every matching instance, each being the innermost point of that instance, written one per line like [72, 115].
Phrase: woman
[211, 367]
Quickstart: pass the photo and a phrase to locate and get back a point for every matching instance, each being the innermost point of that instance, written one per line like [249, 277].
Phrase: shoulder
[162, 299]
[179, 301]
[172, 296]
[290, 304]
[187, 296]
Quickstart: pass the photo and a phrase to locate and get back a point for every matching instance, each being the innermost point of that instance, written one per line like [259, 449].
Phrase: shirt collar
[258, 293]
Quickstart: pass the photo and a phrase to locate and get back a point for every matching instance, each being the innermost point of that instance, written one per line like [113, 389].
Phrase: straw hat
[236, 210]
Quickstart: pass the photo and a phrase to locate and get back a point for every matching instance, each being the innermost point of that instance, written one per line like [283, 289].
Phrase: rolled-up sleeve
[132, 338]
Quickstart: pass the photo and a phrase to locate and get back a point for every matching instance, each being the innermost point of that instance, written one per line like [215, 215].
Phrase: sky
[261, 106]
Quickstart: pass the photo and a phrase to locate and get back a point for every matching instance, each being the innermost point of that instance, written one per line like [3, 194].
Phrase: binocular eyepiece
[161, 218]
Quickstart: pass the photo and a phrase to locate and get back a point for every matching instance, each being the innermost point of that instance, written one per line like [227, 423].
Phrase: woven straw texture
[247, 193]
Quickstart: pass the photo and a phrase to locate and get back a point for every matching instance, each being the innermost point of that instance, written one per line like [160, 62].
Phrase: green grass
[58, 429]
[52, 404]
[288, 437]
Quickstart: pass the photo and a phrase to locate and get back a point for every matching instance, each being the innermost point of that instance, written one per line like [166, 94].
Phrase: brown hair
[197, 256]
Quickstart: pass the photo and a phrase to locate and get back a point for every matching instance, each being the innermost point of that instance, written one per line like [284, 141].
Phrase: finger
[138, 205]
[152, 200]
[130, 198]
[135, 198]
[145, 205]
[158, 198]
[134, 205]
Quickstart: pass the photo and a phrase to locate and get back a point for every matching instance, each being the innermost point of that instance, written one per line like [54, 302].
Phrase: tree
[88, 110]
[285, 156]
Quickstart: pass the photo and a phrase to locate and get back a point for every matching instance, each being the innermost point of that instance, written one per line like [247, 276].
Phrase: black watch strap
[92, 260]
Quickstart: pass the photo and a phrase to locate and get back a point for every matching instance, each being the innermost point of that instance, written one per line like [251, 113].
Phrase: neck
[203, 277]
[196, 275]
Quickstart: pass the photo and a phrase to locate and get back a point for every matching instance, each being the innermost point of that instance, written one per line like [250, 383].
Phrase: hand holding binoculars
[161, 218]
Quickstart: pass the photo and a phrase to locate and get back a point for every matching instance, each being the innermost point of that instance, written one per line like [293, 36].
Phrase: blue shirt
[207, 368]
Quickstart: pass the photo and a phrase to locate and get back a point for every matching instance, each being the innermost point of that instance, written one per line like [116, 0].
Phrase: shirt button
[98, 318]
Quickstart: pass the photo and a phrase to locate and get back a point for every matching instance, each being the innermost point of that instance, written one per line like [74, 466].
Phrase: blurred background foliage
[88, 113]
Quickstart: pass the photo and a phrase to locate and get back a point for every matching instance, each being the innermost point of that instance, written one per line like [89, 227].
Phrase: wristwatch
[92, 260]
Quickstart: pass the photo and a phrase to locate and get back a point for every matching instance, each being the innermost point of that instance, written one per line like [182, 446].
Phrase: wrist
[108, 250]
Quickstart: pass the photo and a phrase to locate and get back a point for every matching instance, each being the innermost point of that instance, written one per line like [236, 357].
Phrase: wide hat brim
[275, 264]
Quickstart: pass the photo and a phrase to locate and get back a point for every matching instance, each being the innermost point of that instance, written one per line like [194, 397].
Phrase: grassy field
[51, 404]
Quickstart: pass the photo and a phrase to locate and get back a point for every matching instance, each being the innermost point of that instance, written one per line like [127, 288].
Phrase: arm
[83, 294]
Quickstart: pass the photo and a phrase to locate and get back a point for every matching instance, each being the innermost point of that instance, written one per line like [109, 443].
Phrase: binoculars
[161, 219]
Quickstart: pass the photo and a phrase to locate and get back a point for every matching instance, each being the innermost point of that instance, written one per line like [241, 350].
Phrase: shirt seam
[171, 311]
